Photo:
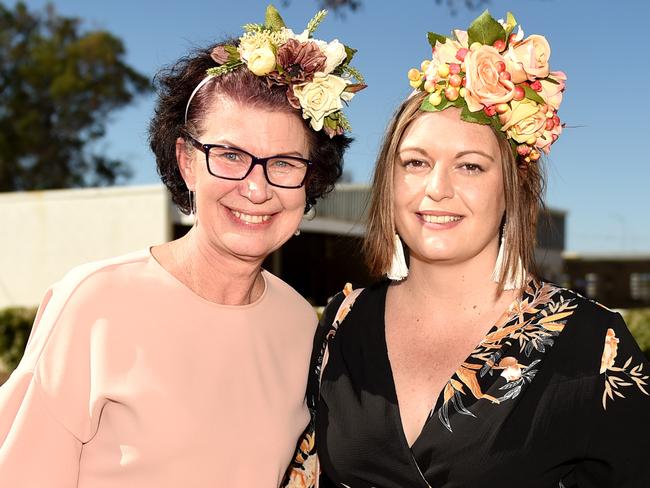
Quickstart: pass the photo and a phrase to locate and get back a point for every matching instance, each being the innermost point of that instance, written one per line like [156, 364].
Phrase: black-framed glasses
[232, 163]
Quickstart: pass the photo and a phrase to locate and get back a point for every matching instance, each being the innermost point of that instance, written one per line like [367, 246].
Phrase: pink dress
[132, 380]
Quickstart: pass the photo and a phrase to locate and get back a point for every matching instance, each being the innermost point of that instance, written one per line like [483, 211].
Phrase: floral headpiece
[498, 78]
[317, 74]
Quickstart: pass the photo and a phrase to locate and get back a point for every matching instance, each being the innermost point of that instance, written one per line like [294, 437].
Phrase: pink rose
[483, 85]
[528, 59]
[551, 92]
[446, 53]
[548, 137]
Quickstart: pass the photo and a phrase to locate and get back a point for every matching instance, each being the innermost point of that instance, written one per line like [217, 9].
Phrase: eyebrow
[226, 142]
[474, 151]
[458, 155]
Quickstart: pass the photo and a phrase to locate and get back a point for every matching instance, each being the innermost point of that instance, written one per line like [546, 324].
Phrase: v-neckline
[507, 314]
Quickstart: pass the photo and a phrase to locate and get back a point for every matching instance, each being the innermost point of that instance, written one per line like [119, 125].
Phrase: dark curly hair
[174, 86]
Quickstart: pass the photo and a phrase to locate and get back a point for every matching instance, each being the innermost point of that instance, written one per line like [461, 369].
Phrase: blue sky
[598, 172]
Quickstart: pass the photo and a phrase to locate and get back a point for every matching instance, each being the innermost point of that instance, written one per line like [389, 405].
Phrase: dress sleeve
[617, 453]
[45, 412]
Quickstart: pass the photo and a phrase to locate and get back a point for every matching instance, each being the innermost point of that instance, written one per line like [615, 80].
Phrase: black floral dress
[555, 395]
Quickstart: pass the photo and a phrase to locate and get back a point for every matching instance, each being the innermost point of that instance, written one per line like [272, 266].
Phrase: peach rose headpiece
[496, 77]
[317, 74]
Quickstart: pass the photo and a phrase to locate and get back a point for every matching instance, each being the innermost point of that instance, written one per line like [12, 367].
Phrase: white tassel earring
[398, 269]
[518, 279]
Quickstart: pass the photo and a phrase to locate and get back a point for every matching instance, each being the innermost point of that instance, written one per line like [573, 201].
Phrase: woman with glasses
[185, 364]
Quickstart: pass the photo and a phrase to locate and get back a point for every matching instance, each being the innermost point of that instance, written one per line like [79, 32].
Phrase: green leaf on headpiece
[350, 54]
[433, 37]
[532, 94]
[330, 122]
[551, 80]
[511, 23]
[253, 27]
[224, 68]
[273, 19]
[233, 53]
[427, 106]
[485, 30]
[352, 72]
[344, 123]
[315, 21]
[479, 117]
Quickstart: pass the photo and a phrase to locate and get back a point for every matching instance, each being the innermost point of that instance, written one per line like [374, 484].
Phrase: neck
[213, 274]
[456, 287]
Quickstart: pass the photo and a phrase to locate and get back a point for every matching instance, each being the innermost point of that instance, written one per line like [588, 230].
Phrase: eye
[230, 156]
[415, 165]
[471, 168]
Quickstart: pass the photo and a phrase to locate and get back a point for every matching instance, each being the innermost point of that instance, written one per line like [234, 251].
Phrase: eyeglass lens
[230, 163]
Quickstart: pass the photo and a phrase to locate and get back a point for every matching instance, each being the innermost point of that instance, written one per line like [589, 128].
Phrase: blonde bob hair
[523, 188]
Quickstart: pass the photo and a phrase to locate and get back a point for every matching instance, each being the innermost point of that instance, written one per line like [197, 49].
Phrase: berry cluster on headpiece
[496, 77]
[317, 74]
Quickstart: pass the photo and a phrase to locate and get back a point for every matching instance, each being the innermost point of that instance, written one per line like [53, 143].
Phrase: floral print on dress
[304, 470]
[617, 378]
[532, 323]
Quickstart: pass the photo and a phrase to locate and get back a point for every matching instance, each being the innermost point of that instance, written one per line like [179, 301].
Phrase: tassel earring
[398, 269]
[515, 281]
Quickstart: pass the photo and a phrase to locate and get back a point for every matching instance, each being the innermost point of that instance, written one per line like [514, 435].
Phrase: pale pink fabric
[132, 380]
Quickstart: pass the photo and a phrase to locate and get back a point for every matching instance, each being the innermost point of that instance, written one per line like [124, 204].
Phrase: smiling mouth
[440, 219]
[250, 219]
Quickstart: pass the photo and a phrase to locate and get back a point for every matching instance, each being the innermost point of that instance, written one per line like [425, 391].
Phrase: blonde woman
[465, 368]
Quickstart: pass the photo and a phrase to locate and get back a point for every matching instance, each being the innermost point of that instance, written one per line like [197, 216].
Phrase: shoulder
[284, 295]
[585, 314]
[70, 304]
[371, 297]
[591, 330]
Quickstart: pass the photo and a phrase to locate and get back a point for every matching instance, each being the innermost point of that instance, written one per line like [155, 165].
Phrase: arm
[44, 406]
[617, 454]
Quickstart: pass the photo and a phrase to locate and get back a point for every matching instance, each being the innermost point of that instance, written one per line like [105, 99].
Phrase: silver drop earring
[192, 201]
[310, 214]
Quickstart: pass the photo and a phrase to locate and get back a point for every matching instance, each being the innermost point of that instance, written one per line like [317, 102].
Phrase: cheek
[406, 187]
[485, 198]
[293, 200]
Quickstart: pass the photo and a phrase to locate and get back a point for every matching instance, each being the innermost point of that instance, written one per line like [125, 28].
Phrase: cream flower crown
[317, 74]
[498, 78]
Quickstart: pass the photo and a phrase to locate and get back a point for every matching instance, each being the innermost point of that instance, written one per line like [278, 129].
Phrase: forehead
[445, 132]
[256, 129]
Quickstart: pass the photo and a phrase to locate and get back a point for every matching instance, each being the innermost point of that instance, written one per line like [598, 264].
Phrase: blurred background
[78, 182]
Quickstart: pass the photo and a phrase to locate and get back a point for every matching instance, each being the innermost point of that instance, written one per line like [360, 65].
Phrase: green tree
[339, 6]
[58, 85]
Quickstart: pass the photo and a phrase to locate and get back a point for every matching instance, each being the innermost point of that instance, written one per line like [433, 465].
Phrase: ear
[185, 164]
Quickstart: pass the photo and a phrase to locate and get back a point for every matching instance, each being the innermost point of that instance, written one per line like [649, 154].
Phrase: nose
[439, 185]
[255, 187]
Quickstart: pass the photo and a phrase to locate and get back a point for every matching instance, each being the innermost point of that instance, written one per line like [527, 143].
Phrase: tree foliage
[340, 6]
[58, 85]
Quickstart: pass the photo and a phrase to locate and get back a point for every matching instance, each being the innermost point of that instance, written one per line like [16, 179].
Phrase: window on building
[640, 286]
[591, 286]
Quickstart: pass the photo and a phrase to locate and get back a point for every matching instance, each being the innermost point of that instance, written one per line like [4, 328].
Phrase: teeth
[440, 219]
[251, 219]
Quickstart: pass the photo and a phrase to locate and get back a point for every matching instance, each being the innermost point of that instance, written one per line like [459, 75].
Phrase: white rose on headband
[335, 54]
[261, 61]
[320, 98]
